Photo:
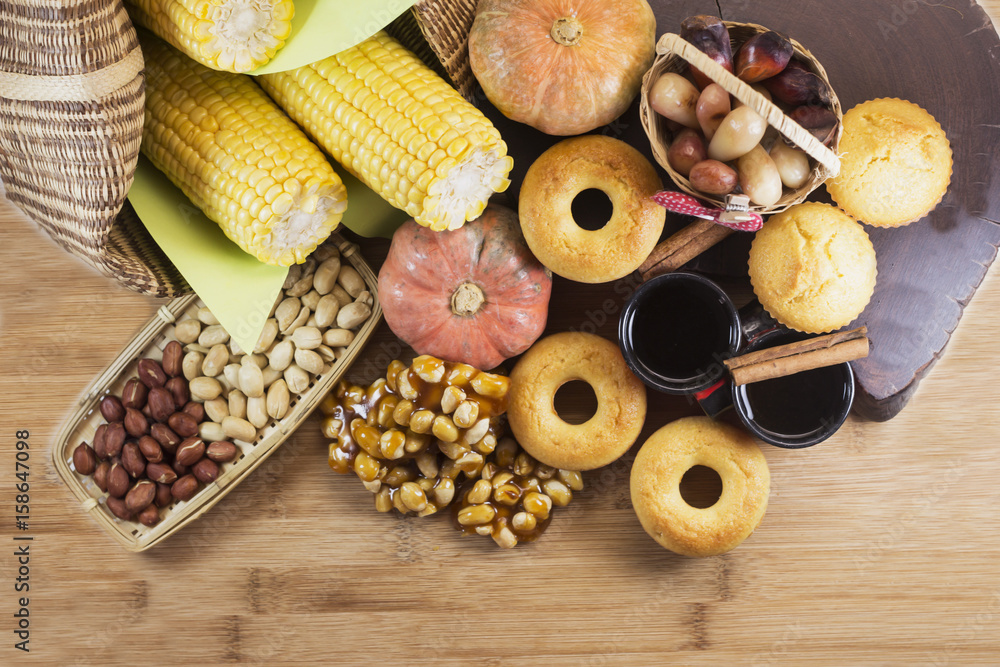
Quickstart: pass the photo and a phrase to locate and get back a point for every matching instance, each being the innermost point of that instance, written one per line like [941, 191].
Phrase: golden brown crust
[551, 363]
[813, 268]
[660, 466]
[896, 163]
[554, 181]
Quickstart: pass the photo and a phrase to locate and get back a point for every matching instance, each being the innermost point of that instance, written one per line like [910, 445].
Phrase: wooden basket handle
[672, 43]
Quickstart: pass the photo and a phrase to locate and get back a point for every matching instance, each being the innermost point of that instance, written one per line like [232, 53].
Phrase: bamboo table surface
[880, 546]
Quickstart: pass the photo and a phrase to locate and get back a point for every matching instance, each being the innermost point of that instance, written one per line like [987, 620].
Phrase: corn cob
[230, 35]
[401, 129]
[238, 157]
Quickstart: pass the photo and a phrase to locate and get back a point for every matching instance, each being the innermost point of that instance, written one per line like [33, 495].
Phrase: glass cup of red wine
[677, 330]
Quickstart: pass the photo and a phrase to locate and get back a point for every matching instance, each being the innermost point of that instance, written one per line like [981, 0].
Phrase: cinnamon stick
[682, 247]
[797, 357]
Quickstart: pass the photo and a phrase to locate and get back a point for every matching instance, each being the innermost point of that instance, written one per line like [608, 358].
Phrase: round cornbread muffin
[661, 464]
[895, 163]
[566, 170]
[551, 363]
[813, 268]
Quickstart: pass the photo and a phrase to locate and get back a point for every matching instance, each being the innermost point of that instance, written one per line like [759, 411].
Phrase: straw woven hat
[71, 110]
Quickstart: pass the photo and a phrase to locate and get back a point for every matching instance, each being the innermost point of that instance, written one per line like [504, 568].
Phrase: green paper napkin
[321, 28]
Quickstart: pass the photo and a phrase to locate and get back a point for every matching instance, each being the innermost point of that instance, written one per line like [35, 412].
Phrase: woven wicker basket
[71, 105]
[149, 342]
[674, 54]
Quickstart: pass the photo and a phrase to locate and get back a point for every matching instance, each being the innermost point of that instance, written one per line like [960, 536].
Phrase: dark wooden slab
[941, 56]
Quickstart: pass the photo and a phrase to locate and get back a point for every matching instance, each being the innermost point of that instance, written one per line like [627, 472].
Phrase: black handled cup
[678, 328]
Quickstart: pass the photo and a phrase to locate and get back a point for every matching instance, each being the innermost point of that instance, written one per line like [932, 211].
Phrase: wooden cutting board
[927, 271]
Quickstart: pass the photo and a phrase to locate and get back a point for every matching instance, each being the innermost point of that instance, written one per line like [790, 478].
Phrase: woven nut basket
[149, 342]
[674, 54]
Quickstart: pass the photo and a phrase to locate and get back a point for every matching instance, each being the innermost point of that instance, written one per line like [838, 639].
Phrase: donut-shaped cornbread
[655, 486]
[551, 363]
[546, 200]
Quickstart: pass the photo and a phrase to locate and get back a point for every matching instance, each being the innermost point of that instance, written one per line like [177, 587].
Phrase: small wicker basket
[149, 342]
[674, 54]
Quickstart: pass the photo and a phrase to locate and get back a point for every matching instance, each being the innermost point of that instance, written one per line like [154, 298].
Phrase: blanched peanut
[286, 313]
[343, 298]
[713, 178]
[759, 177]
[237, 404]
[351, 280]
[251, 380]
[271, 375]
[326, 275]
[309, 361]
[674, 97]
[267, 336]
[301, 287]
[217, 409]
[213, 335]
[191, 364]
[713, 107]
[296, 379]
[338, 337]
[257, 411]
[239, 429]
[792, 163]
[280, 356]
[215, 360]
[278, 399]
[352, 315]
[187, 331]
[204, 389]
[311, 299]
[259, 359]
[326, 311]
[206, 317]
[299, 321]
[307, 338]
[211, 432]
[740, 131]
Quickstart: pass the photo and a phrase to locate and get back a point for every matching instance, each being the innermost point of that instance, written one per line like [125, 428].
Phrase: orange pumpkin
[474, 295]
[564, 67]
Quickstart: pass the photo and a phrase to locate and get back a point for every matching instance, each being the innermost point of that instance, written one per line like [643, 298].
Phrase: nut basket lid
[71, 113]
